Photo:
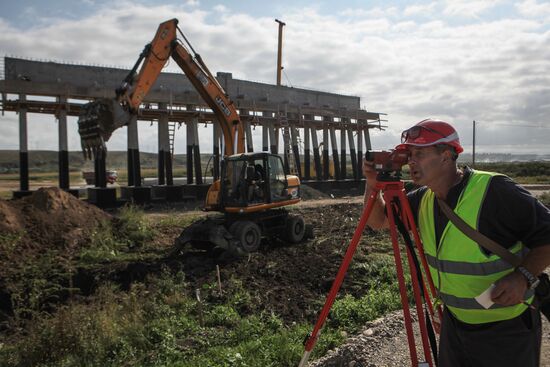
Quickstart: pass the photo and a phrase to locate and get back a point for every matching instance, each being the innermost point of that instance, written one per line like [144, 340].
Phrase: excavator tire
[248, 234]
[295, 228]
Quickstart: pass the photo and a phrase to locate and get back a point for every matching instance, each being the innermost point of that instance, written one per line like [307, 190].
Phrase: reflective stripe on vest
[459, 267]
[467, 268]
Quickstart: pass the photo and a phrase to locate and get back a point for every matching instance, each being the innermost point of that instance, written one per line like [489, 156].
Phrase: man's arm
[377, 218]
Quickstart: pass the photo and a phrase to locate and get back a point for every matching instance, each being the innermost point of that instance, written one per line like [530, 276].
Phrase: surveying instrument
[388, 165]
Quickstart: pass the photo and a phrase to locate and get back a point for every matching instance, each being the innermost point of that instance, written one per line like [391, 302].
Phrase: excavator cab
[255, 179]
[253, 182]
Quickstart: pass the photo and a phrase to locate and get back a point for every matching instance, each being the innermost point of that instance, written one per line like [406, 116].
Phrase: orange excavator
[253, 188]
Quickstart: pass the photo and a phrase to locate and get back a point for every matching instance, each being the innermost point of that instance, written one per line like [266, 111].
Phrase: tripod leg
[310, 343]
[407, 211]
[401, 280]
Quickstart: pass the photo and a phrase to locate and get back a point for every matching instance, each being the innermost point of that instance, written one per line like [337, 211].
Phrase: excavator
[253, 189]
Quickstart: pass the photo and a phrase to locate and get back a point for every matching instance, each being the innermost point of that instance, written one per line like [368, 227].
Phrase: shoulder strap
[477, 236]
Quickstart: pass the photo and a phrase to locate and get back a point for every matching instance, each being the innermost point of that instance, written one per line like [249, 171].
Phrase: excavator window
[277, 178]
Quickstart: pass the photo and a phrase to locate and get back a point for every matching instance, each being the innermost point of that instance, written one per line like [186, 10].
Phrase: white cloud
[469, 8]
[220, 8]
[492, 71]
[419, 9]
[531, 8]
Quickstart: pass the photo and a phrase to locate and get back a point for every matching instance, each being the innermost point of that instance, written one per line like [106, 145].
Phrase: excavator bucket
[208, 234]
[96, 122]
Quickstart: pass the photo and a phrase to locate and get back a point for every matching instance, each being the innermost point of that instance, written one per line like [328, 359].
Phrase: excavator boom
[100, 118]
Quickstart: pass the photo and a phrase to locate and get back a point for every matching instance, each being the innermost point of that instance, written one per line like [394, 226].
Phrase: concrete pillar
[343, 160]
[273, 138]
[63, 145]
[190, 142]
[164, 155]
[247, 130]
[248, 134]
[360, 149]
[217, 132]
[134, 172]
[100, 174]
[265, 136]
[352, 152]
[335, 160]
[368, 145]
[326, 163]
[197, 152]
[316, 156]
[23, 146]
[307, 153]
[294, 135]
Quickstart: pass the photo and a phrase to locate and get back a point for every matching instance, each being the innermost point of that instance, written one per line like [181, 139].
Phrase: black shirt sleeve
[510, 214]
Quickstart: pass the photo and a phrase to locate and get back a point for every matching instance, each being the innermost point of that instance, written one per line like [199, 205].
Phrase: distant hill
[47, 161]
[503, 157]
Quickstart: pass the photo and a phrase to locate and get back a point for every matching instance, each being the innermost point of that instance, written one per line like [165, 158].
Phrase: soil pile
[48, 218]
[39, 236]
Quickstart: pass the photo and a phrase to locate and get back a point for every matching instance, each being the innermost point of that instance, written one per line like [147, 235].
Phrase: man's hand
[369, 172]
[509, 290]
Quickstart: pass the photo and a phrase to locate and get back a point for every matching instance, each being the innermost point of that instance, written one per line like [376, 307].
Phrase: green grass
[160, 321]
[158, 325]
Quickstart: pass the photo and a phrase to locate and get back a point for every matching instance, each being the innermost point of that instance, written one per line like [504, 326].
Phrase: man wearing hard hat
[508, 332]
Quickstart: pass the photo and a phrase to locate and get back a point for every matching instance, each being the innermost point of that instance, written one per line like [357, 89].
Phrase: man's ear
[447, 155]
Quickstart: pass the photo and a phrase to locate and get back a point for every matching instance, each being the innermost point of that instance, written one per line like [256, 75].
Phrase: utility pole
[280, 51]
[474, 145]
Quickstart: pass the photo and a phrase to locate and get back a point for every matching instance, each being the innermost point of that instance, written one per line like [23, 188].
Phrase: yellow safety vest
[458, 266]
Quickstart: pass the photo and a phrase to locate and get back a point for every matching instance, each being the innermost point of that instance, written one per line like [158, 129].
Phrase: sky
[459, 60]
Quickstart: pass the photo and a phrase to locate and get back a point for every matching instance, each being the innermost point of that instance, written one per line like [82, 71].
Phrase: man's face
[425, 164]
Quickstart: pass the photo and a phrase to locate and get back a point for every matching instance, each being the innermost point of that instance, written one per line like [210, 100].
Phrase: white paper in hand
[484, 298]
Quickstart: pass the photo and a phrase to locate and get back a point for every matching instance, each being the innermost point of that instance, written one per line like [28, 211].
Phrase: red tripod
[398, 208]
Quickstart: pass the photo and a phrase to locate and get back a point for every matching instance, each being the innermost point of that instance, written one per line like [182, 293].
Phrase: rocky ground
[384, 343]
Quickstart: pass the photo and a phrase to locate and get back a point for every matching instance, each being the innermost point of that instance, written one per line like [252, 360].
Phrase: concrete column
[248, 134]
[368, 145]
[277, 137]
[100, 174]
[316, 156]
[217, 132]
[343, 160]
[335, 160]
[360, 149]
[190, 142]
[134, 173]
[247, 130]
[326, 163]
[63, 145]
[352, 153]
[164, 156]
[307, 153]
[265, 136]
[294, 135]
[197, 152]
[23, 146]
[273, 138]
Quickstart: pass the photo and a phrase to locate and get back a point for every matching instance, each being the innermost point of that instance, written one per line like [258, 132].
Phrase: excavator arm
[100, 118]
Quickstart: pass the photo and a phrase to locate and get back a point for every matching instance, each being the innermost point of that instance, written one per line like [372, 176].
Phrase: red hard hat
[430, 132]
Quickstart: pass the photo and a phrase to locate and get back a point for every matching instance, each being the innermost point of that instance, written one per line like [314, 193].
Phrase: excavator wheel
[248, 234]
[295, 228]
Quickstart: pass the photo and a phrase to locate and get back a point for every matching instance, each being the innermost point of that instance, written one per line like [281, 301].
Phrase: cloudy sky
[459, 60]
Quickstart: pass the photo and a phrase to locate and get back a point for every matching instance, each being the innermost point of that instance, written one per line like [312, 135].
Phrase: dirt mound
[309, 193]
[49, 217]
